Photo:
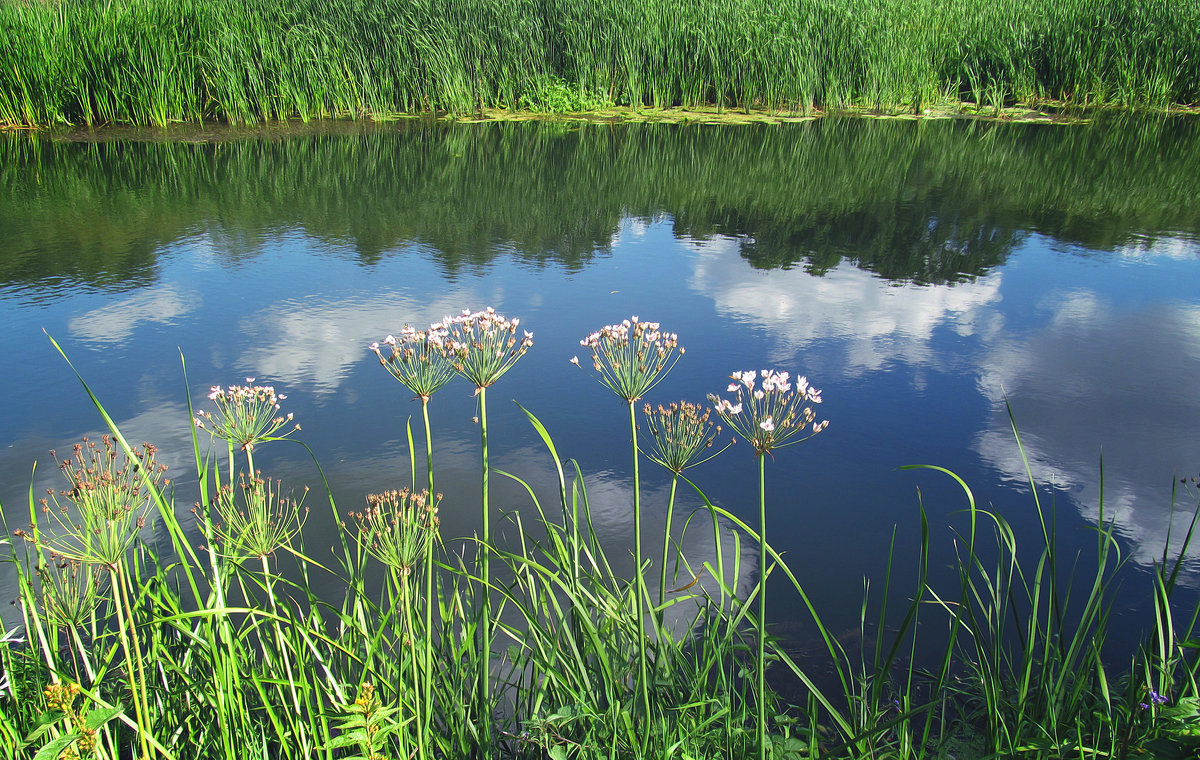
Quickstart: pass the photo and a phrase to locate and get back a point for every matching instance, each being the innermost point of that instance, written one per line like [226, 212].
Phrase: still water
[920, 274]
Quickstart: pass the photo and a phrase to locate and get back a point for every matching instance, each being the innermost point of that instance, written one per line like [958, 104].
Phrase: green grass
[208, 646]
[162, 61]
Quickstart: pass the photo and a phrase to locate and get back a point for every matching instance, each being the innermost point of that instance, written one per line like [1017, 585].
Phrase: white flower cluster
[246, 414]
[631, 357]
[482, 345]
[412, 339]
[632, 332]
[681, 435]
[768, 410]
[245, 394]
[417, 359]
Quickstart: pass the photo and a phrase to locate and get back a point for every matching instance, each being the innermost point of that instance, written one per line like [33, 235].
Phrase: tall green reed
[629, 359]
[245, 61]
[96, 523]
[482, 347]
[770, 416]
[417, 360]
[399, 528]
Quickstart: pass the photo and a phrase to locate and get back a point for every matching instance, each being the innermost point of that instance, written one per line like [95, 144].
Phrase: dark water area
[919, 273]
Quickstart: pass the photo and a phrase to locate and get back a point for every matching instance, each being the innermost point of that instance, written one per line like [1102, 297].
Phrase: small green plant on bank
[404, 644]
[553, 95]
[367, 726]
[67, 731]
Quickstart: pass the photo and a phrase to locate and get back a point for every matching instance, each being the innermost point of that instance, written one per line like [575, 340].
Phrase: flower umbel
[682, 435]
[109, 498]
[417, 359]
[768, 410]
[632, 357]
[246, 415]
[398, 527]
[482, 345]
[255, 518]
[71, 591]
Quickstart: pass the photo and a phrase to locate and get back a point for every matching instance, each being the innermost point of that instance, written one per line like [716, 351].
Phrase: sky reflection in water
[919, 296]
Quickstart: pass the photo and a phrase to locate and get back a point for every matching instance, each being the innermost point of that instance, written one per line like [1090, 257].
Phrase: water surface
[921, 274]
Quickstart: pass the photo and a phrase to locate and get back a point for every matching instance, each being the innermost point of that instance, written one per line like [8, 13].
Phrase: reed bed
[244, 61]
[143, 637]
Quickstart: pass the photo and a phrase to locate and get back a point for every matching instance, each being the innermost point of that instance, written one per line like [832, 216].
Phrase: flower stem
[642, 595]
[428, 631]
[762, 607]
[133, 658]
[485, 622]
[409, 643]
[662, 578]
[282, 646]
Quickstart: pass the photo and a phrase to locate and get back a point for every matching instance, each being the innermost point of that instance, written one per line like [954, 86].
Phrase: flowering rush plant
[417, 359]
[768, 410]
[246, 414]
[262, 520]
[398, 527]
[632, 357]
[482, 345]
[110, 497]
[681, 435]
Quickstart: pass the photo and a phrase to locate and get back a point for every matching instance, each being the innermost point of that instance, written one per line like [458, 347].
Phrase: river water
[922, 274]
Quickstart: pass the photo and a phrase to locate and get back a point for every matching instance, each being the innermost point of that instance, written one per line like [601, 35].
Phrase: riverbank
[247, 61]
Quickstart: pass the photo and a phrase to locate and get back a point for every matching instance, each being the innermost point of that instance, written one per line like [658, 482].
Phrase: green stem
[662, 578]
[220, 626]
[762, 607]
[642, 595]
[224, 660]
[428, 638]
[428, 443]
[133, 658]
[302, 735]
[408, 641]
[485, 622]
